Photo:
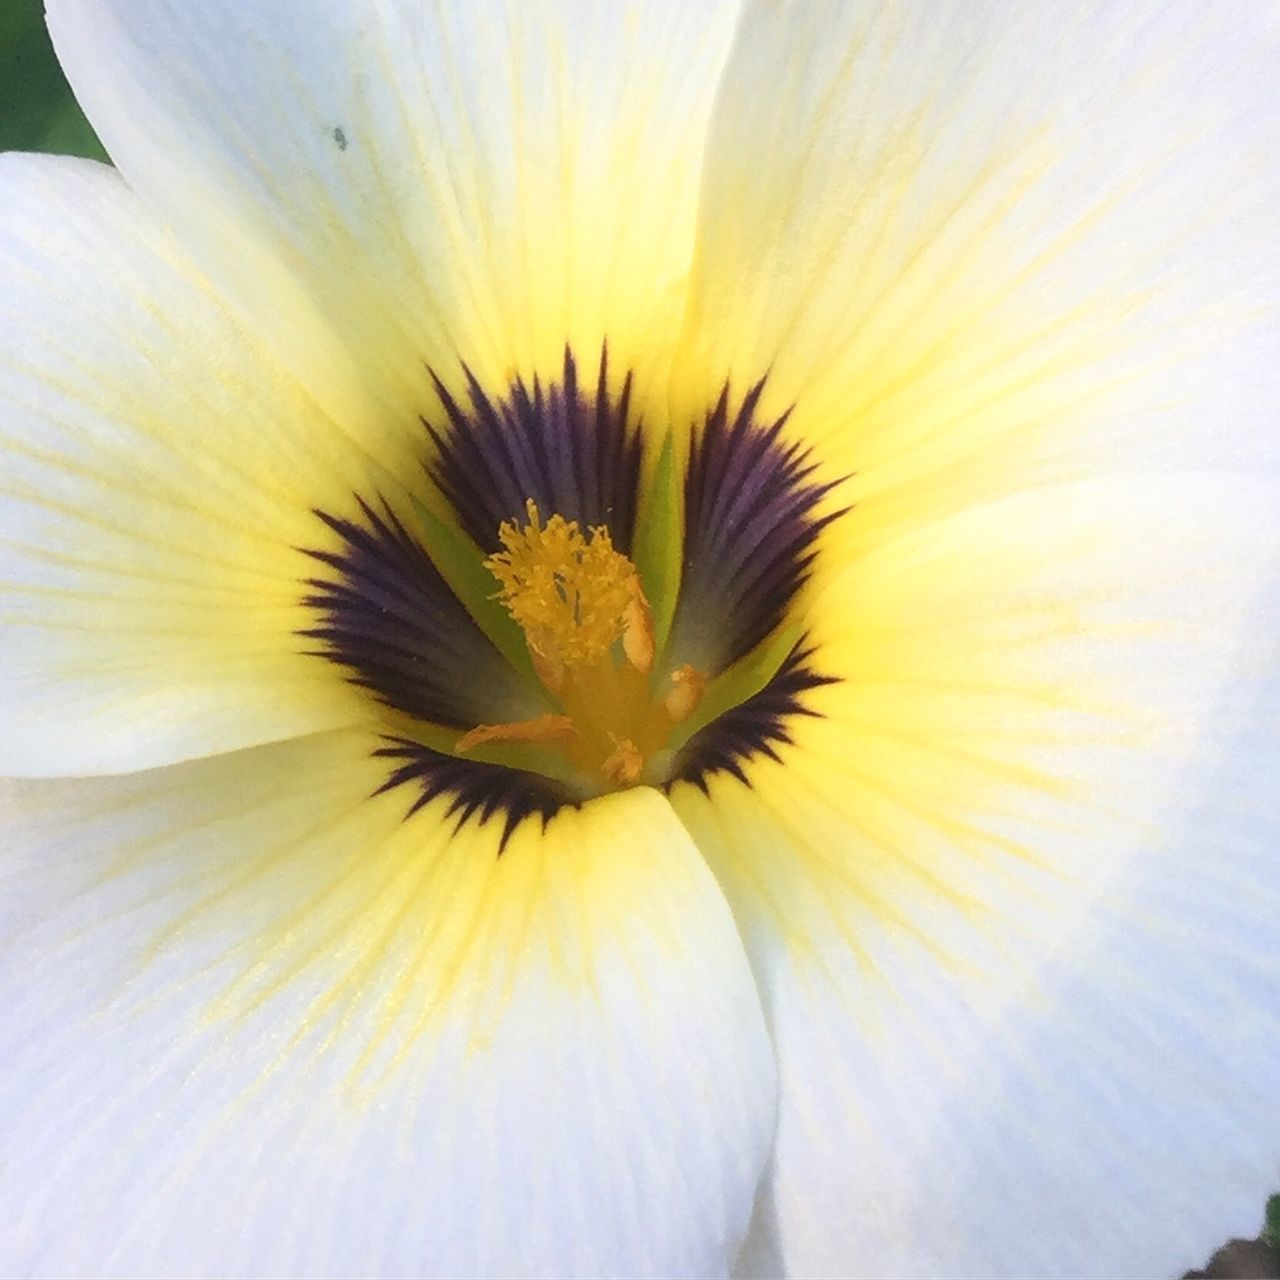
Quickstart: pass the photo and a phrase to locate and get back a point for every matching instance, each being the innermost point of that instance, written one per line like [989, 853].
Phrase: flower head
[638, 639]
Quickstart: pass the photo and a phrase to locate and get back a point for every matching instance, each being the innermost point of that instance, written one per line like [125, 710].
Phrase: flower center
[637, 637]
[589, 632]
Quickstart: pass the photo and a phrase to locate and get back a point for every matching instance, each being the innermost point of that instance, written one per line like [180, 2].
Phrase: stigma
[573, 596]
[589, 631]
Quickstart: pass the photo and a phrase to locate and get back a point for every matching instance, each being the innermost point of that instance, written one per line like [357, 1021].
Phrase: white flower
[898, 894]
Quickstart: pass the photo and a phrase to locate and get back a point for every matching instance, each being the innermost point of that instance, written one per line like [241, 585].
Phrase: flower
[635, 627]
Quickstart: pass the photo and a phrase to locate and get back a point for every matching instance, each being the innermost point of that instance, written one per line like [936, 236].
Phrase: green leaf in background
[1271, 1227]
[37, 111]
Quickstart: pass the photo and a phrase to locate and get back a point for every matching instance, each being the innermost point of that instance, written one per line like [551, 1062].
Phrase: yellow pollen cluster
[570, 594]
[590, 634]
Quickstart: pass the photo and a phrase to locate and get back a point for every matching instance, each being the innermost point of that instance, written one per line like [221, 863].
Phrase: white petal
[159, 472]
[1012, 896]
[978, 244]
[466, 180]
[258, 1023]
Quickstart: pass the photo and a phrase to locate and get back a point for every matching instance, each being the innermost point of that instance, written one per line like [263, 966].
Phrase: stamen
[573, 596]
[545, 729]
[637, 629]
[688, 684]
[589, 631]
[625, 765]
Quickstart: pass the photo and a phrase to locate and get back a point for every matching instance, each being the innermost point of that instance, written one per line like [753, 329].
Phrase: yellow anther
[573, 596]
[544, 729]
[637, 629]
[549, 670]
[688, 684]
[625, 765]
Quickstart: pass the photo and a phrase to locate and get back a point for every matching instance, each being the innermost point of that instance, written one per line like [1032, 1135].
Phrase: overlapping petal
[462, 181]
[158, 471]
[259, 1024]
[1015, 876]
[1011, 898]
[976, 246]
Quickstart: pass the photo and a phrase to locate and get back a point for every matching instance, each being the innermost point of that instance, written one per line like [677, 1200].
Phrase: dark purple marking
[574, 454]
[475, 788]
[389, 618]
[755, 727]
[751, 525]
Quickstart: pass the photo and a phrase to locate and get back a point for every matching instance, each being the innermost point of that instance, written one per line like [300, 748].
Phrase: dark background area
[37, 111]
